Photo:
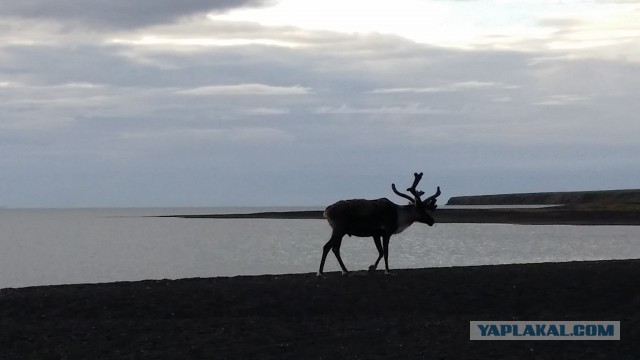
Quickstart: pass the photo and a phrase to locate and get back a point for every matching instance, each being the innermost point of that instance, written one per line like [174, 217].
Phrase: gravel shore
[417, 314]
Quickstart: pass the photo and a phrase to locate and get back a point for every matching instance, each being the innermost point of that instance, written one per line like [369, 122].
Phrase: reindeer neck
[406, 217]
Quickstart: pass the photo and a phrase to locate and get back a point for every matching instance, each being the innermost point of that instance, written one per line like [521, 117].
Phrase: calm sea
[43, 247]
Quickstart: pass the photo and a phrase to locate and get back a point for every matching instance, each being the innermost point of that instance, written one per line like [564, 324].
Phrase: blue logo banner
[544, 330]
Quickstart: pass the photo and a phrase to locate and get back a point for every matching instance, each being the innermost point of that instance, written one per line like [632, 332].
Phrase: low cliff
[551, 198]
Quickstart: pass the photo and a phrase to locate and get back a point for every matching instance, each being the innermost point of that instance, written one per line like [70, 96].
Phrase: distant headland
[552, 198]
[609, 207]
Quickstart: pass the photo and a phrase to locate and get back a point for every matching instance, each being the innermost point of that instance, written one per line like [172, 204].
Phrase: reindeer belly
[362, 232]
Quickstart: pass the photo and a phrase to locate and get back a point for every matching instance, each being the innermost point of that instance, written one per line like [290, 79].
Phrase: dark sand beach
[417, 314]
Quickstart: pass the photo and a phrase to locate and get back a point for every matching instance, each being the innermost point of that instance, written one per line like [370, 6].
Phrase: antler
[411, 200]
[431, 200]
[416, 194]
[434, 196]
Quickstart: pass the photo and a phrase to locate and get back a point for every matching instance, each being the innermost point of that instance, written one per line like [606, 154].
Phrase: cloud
[411, 90]
[461, 86]
[244, 136]
[267, 111]
[246, 90]
[562, 99]
[408, 109]
[122, 14]
[203, 32]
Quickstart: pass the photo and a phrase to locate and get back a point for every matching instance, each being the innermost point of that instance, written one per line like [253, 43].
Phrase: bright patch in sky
[457, 23]
[416, 20]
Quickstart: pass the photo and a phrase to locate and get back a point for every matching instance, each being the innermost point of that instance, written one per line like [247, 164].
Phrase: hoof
[387, 272]
[372, 268]
[320, 275]
[346, 273]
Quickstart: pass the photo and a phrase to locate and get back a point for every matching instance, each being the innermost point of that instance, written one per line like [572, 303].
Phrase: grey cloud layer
[117, 13]
[118, 123]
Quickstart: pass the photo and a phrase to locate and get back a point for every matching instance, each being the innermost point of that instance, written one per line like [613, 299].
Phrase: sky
[152, 103]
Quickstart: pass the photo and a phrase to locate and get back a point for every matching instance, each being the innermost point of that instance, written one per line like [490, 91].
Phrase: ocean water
[63, 246]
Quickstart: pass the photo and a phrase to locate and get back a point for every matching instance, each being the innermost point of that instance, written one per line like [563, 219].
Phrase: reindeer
[379, 219]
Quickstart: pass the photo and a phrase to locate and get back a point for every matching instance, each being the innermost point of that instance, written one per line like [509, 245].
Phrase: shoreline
[418, 314]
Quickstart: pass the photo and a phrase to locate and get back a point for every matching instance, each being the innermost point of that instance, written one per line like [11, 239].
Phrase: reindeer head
[421, 207]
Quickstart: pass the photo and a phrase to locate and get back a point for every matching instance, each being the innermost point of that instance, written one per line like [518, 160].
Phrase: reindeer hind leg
[385, 248]
[376, 240]
[336, 239]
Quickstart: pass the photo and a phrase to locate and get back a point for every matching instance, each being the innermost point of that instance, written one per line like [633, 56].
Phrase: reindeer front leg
[336, 252]
[325, 252]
